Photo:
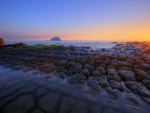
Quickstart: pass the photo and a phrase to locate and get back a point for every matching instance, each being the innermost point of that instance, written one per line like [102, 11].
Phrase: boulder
[127, 75]
[60, 69]
[146, 82]
[132, 98]
[142, 74]
[116, 85]
[62, 63]
[85, 72]
[145, 66]
[114, 93]
[101, 69]
[146, 100]
[96, 73]
[116, 78]
[70, 64]
[77, 68]
[138, 88]
[47, 68]
[111, 71]
[92, 81]
[102, 82]
[94, 84]
[76, 79]
[1, 42]
[62, 75]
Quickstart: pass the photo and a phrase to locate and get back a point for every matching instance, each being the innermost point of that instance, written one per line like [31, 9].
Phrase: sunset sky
[103, 20]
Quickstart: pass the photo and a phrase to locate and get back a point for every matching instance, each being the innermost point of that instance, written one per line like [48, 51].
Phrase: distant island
[56, 38]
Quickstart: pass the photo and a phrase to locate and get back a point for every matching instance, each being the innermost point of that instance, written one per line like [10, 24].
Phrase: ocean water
[93, 44]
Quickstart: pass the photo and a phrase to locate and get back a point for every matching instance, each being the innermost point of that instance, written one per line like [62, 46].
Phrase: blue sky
[73, 19]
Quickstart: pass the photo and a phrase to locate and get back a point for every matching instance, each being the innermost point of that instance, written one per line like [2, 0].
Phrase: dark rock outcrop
[16, 45]
[1, 42]
[56, 38]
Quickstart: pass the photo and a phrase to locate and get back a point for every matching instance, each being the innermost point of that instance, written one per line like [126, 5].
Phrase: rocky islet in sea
[123, 68]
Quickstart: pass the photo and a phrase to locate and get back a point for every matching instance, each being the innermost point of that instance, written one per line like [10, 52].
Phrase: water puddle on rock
[25, 92]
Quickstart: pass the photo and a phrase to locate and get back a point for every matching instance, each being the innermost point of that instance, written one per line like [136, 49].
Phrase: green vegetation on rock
[37, 46]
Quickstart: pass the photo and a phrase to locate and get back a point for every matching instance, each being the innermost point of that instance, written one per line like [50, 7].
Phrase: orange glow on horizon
[132, 31]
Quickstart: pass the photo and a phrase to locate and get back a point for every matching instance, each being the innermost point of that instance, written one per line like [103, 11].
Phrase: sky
[100, 20]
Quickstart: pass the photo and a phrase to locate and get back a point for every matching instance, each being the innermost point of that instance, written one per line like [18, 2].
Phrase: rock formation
[56, 38]
[1, 42]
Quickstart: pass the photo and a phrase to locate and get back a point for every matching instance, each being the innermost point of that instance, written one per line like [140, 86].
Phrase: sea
[94, 44]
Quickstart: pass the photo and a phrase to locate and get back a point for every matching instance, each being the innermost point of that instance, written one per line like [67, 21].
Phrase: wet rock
[102, 82]
[37, 111]
[109, 77]
[95, 109]
[85, 72]
[138, 88]
[48, 76]
[142, 74]
[80, 107]
[70, 64]
[79, 86]
[60, 69]
[11, 90]
[125, 68]
[27, 69]
[16, 45]
[132, 109]
[62, 75]
[95, 88]
[28, 88]
[92, 81]
[72, 48]
[77, 68]
[76, 79]
[114, 93]
[127, 75]
[62, 63]
[146, 82]
[47, 68]
[48, 102]
[89, 67]
[145, 66]
[111, 71]
[66, 103]
[116, 85]
[111, 103]
[139, 61]
[20, 105]
[107, 110]
[8, 99]
[101, 69]
[132, 98]
[12, 83]
[17, 67]
[116, 78]
[122, 57]
[96, 73]
[40, 92]
[146, 100]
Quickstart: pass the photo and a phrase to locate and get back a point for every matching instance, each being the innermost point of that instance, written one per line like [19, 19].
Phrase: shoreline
[121, 70]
